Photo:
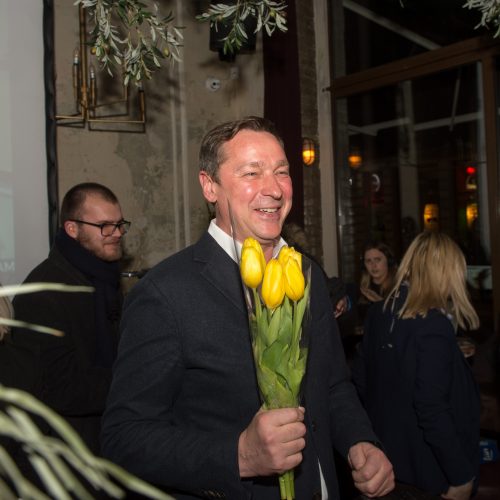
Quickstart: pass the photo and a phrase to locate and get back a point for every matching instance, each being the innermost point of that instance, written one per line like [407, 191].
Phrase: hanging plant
[268, 15]
[134, 36]
[131, 34]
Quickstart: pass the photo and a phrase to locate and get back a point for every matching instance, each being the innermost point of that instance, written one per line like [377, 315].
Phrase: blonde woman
[412, 377]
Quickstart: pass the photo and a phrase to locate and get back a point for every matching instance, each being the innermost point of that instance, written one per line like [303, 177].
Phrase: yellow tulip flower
[294, 280]
[251, 268]
[289, 253]
[273, 285]
[284, 254]
[253, 243]
[297, 256]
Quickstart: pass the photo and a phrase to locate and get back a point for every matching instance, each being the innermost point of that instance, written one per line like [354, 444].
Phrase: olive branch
[5, 291]
[133, 35]
[269, 14]
[490, 13]
[65, 466]
[60, 463]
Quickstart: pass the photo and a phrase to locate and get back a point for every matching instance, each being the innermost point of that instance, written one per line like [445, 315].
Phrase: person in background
[377, 279]
[413, 379]
[72, 374]
[184, 410]
[379, 269]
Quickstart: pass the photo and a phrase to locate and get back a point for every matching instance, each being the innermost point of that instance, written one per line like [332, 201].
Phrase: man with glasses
[72, 373]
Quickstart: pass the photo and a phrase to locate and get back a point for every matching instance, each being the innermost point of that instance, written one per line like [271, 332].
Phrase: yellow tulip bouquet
[277, 297]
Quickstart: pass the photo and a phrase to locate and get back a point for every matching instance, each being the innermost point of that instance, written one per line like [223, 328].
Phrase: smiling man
[72, 373]
[252, 187]
[184, 410]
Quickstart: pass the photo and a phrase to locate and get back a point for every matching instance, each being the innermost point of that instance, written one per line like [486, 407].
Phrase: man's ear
[208, 186]
[71, 228]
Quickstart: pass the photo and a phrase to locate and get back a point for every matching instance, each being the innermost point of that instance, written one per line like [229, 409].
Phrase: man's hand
[272, 443]
[462, 492]
[371, 470]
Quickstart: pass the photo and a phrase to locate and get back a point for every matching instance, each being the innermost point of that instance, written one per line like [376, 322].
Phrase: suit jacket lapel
[220, 270]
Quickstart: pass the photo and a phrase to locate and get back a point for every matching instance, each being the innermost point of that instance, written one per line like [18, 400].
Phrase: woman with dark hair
[414, 381]
[379, 270]
[377, 279]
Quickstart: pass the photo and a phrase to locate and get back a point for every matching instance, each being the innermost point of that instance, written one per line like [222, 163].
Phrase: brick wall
[309, 115]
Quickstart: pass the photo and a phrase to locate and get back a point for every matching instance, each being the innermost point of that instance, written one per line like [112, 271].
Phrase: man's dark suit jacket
[420, 394]
[184, 385]
[59, 371]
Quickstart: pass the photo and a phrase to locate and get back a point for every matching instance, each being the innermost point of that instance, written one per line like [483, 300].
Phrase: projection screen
[24, 205]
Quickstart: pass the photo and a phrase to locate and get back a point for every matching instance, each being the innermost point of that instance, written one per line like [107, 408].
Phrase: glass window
[377, 32]
[413, 159]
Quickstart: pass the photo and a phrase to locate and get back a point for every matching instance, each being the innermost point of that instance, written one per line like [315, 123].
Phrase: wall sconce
[471, 213]
[355, 160]
[308, 151]
[431, 216]
[88, 111]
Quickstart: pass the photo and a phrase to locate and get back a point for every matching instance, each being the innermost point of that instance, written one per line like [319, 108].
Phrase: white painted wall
[23, 194]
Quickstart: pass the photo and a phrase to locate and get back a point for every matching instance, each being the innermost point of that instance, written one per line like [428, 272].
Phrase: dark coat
[421, 397]
[184, 385]
[60, 371]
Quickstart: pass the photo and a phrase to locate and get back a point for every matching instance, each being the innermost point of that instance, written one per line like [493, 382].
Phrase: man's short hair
[74, 199]
[211, 151]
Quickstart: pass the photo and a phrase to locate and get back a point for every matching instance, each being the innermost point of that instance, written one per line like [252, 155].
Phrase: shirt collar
[228, 244]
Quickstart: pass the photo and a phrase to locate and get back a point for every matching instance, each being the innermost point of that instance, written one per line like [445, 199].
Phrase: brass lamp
[88, 111]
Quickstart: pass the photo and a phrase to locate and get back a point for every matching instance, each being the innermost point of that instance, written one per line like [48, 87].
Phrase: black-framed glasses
[107, 228]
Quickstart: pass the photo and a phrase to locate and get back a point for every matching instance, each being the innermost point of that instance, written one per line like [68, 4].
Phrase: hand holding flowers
[276, 317]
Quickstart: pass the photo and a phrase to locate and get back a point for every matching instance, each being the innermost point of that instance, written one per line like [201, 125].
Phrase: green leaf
[301, 305]
[274, 390]
[296, 374]
[274, 326]
[129, 15]
[285, 332]
[273, 357]
[263, 323]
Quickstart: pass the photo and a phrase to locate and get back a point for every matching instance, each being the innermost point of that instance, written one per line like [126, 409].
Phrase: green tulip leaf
[274, 356]
[301, 306]
[274, 326]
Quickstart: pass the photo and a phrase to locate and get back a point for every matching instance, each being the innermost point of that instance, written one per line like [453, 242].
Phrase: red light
[470, 170]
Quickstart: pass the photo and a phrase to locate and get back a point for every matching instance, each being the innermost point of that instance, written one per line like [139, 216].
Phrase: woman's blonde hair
[435, 269]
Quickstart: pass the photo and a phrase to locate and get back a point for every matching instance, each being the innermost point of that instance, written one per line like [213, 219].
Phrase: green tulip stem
[258, 306]
[296, 334]
[287, 488]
